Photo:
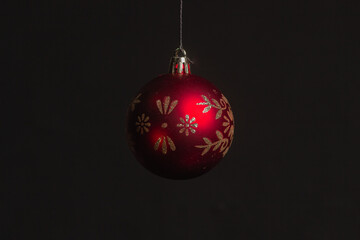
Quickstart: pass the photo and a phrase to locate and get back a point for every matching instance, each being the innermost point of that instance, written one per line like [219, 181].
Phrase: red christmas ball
[179, 126]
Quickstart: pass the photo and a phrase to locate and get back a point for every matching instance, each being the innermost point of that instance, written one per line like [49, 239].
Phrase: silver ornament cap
[179, 63]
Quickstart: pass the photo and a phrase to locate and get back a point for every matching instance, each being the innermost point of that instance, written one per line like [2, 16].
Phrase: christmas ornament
[179, 125]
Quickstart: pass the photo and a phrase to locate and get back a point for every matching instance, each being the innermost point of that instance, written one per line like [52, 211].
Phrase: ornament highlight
[179, 125]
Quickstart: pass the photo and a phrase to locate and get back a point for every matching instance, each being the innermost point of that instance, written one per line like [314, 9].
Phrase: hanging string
[181, 10]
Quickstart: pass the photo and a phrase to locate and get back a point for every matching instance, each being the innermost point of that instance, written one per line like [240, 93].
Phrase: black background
[290, 69]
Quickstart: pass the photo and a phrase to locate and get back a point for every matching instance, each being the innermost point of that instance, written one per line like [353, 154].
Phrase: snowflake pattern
[188, 125]
[142, 124]
[164, 141]
[221, 106]
[228, 124]
[166, 107]
[222, 143]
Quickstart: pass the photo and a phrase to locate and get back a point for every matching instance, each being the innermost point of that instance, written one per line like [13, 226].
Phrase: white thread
[181, 10]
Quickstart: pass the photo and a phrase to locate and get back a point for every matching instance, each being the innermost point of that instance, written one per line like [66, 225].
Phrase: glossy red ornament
[179, 125]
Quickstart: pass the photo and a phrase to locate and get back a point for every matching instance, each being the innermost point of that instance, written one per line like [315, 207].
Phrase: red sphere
[179, 126]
